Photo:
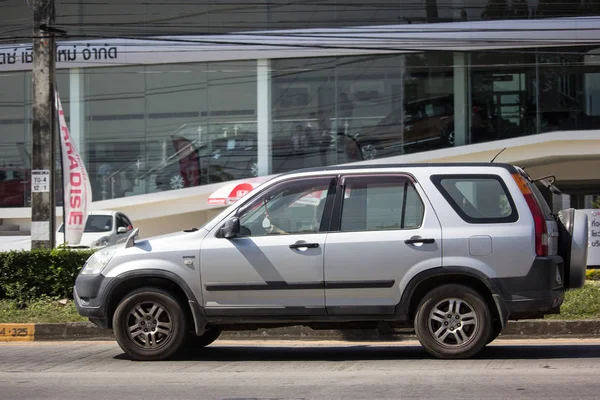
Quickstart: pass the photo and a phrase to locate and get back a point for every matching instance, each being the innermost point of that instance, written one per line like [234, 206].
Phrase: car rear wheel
[573, 246]
[494, 333]
[453, 321]
[149, 324]
[448, 137]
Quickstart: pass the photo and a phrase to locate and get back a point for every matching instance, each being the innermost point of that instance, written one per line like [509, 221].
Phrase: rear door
[384, 227]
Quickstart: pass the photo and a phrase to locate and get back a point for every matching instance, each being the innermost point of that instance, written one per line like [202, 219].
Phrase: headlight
[98, 261]
[103, 241]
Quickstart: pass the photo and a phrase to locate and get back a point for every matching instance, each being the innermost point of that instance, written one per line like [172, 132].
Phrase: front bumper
[538, 293]
[90, 298]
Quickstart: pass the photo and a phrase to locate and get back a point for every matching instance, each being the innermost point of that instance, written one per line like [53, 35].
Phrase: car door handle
[419, 240]
[300, 245]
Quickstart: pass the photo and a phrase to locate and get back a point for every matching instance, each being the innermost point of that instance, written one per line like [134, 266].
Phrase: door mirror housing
[121, 230]
[231, 229]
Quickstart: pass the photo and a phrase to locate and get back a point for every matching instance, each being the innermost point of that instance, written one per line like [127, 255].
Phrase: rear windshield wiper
[548, 182]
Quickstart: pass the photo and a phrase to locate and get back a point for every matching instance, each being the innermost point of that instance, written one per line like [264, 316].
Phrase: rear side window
[477, 199]
[377, 203]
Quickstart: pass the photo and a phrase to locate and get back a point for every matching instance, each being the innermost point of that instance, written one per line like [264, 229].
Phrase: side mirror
[121, 230]
[231, 228]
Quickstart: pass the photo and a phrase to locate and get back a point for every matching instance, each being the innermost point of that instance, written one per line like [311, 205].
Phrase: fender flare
[403, 307]
[198, 314]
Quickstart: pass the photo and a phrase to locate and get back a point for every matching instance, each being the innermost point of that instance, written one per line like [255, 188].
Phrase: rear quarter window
[477, 199]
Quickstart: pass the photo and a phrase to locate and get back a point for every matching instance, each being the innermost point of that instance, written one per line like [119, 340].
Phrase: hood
[172, 241]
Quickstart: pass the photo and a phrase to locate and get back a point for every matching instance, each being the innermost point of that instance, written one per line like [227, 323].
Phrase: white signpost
[593, 237]
[40, 181]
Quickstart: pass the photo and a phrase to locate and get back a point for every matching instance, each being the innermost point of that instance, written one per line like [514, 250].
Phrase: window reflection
[145, 129]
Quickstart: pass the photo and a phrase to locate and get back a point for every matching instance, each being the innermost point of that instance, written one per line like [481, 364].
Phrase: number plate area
[17, 332]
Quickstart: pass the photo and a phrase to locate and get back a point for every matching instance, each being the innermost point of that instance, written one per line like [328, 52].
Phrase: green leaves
[592, 274]
[28, 275]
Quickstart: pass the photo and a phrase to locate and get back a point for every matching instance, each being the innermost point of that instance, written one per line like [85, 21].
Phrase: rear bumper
[538, 293]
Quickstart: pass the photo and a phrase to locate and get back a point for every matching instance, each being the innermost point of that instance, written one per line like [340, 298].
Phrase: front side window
[380, 203]
[290, 208]
[477, 198]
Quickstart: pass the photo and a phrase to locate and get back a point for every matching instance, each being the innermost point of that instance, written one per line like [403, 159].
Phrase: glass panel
[378, 203]
[503, 96]
[355, 108]
[295, 207]
[569, 89]
[14, 110]
[169, 127]
[176, 125]
[116, 129]
[232, 122]
[303, 109]
[414, 208]
[368, 119]
[172, 17]
[478, 198]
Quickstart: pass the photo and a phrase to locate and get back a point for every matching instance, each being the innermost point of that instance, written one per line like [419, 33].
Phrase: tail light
[541, 230]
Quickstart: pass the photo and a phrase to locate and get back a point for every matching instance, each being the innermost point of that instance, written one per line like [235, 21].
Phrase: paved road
[556, 369]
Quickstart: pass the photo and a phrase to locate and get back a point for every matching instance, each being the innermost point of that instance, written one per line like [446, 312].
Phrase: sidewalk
[534, 329]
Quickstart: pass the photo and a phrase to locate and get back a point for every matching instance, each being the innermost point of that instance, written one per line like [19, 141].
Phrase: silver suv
[451, 250]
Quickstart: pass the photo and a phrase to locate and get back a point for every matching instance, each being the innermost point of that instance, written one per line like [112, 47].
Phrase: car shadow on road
[309, 352]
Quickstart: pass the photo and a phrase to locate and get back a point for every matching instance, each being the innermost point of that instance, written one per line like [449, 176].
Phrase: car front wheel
[149, 324]
[453, 321]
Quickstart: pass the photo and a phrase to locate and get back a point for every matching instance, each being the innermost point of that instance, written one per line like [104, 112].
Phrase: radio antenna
[496, 156]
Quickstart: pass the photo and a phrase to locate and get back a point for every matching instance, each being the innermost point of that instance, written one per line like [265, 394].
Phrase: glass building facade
[147, 128]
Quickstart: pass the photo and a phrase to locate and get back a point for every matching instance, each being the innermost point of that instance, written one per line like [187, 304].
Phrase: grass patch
[581, 303]
[43, 310]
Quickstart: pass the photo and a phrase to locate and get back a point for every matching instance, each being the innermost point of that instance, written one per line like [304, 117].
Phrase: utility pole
[43, 128]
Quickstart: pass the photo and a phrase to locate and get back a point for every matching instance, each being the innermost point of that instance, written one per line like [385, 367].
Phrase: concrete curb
[514, 330]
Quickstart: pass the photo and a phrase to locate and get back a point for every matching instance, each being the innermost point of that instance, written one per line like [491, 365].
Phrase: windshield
[96, 224]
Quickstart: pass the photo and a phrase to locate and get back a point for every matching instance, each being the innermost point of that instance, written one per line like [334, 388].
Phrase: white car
[103, 228]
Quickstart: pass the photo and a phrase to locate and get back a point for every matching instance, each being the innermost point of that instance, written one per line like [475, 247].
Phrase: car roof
[103, 212]
[374, 167]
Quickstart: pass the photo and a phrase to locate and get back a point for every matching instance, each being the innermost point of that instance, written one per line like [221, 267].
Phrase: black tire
[137, 310]
[448, 136]
[471, 323]
[198, 342]
[573, 246]
[494, 333]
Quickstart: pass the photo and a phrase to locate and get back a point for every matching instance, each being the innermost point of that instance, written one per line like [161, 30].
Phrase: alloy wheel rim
[451, 138]
[369, 152]
[453, 322]
[149, 325]
[254, 169]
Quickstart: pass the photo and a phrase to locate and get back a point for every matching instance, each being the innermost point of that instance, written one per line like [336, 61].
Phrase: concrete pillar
[263, 116]
[461, 100]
